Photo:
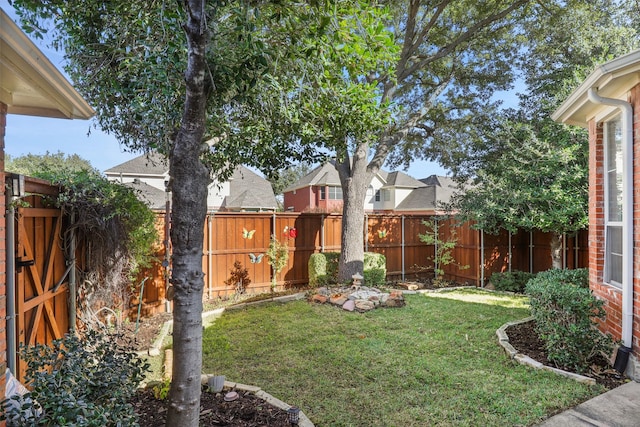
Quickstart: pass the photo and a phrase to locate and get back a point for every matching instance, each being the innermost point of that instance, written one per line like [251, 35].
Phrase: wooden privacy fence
[244, 237]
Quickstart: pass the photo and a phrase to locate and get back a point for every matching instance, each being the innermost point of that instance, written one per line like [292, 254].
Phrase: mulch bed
[247, 411]
[524, 339]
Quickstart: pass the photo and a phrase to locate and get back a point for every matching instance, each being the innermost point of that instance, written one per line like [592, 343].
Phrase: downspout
[11, 281]
[627, 213]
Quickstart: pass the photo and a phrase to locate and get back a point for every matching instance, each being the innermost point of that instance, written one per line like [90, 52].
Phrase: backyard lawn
[435, 361]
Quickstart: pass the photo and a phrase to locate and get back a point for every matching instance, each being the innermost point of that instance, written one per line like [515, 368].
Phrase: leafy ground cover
[433, 362]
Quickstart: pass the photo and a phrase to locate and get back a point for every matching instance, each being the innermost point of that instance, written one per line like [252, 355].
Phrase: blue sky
[35, 135]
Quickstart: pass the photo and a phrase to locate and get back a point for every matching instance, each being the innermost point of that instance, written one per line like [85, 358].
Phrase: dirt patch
[246, 411]
[524, 339]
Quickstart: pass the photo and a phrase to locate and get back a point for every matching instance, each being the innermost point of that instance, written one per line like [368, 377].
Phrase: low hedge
[511, 281]
[567, 314]
[323, 269]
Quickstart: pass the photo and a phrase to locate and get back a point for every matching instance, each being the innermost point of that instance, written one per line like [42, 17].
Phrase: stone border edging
[229, 385]
[523, 359]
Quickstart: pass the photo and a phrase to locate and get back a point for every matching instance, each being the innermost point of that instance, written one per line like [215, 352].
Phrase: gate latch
[26, 263]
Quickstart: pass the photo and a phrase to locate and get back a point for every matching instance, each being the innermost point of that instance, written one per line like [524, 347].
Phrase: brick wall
[635, 102]
[3, 281]
[612, 295]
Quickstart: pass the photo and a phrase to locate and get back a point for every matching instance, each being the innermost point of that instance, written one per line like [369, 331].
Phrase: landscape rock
[338, 299]
[320, 299]
[349, 305]
[364, 305]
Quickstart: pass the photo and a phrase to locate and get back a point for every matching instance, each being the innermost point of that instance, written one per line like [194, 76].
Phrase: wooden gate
[41, 291]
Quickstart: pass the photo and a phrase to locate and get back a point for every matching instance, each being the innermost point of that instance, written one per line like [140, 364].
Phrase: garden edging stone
[503, 340]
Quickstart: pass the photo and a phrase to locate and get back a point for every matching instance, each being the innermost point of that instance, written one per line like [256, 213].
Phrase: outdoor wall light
[294, 415]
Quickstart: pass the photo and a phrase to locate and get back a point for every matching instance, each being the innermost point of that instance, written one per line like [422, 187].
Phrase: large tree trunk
[556, 250]
[354, 179]
[189, 182]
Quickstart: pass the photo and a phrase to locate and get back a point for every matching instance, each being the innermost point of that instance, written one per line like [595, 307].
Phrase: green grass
[435, 362]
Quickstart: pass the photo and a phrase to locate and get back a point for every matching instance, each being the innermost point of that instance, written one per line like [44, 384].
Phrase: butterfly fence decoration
[382, 233]
[247, 234]
[255, 259]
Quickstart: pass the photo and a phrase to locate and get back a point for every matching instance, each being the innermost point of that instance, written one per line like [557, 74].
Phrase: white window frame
[334, 192]
[613, 248]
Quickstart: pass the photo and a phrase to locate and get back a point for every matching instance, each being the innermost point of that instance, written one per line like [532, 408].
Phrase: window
[377, 199]
[386, 195]
[613, 202]
[335, 193]
[323, 193]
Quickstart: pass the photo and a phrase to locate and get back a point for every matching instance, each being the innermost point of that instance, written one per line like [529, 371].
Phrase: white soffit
[29, 83]
[613, 79]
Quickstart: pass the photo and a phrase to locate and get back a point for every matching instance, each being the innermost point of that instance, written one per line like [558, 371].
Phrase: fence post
[531, 252]
[564, 251]
[481, 258]
[72, 275]
[209, 256]
[322, 233]
[274, 234]
[435, 244]
[510, 253]
[366, 232]
[402, 247]
[576, 251]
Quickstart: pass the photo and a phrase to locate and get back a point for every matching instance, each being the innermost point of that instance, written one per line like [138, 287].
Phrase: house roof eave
[29, 83]
[612, 79]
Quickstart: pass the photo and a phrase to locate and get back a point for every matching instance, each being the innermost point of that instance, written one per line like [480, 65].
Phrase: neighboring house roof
[401, 179]
[29, 83]
[436, 190]
[325, 174]
[148, 164]
[249, 190]
[153, 197]
[612, 80]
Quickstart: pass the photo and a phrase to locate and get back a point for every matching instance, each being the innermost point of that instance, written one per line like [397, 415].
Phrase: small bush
[511, 281]
[323, 269]
[84, 381]
[566, 314]
[375, 269]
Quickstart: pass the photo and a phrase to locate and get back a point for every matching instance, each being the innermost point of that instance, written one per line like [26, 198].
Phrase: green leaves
[534, 177]
[567, 314]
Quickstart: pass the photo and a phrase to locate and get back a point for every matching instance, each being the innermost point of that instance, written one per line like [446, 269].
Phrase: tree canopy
[528, 172]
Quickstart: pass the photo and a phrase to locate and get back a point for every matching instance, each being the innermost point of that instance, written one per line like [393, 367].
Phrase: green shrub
[84, 381]
[511, 281]
[566, 314]
[323, 269]
[375, 269]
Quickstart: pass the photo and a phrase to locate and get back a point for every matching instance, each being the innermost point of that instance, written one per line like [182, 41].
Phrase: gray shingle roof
[151, 163]
[325, 174]
[436, 191]
[249, 190]
[153, 197]
[401, 179]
